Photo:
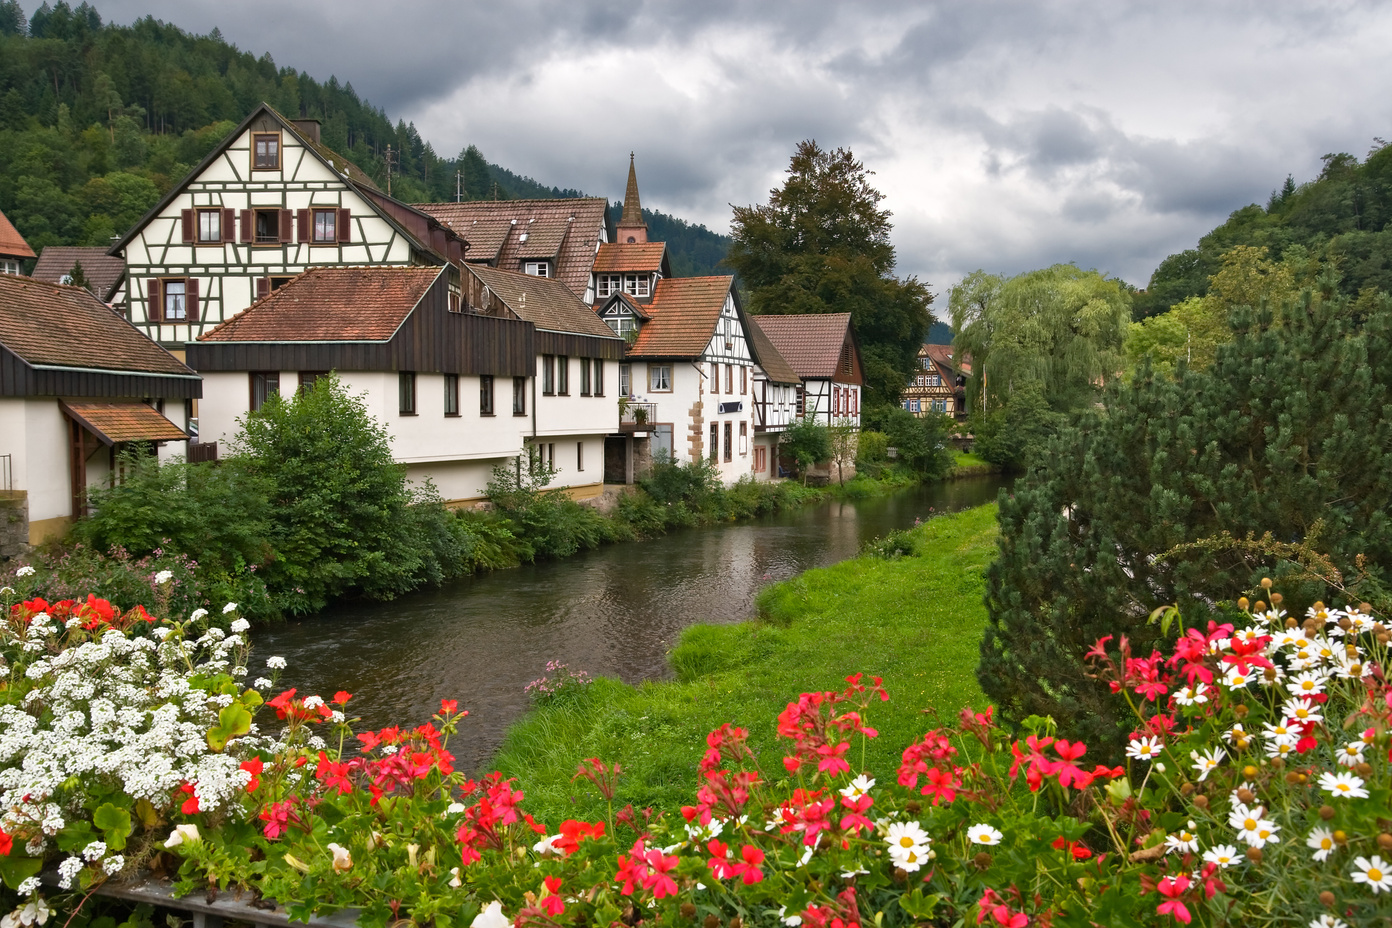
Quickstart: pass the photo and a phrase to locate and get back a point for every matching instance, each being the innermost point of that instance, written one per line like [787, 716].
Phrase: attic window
[637, 284]
[537, 268]
[265, 149]
[846, 360]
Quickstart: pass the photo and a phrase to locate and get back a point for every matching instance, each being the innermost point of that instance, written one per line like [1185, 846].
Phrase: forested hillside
[97, 121]
[1338, 221]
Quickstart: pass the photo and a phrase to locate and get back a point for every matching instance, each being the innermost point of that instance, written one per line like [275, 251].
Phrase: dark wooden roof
[546, 303]
[102, 270]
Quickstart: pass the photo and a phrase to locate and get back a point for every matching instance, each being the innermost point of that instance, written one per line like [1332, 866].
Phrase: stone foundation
[14, 524]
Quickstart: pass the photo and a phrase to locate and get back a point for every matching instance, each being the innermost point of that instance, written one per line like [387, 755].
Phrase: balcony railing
[637, 417]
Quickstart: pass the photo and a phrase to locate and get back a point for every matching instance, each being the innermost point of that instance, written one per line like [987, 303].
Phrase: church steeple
[631, 228]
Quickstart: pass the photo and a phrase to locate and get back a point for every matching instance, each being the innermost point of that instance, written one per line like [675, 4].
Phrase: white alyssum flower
[275, 663]
[262, 683]
[29, 886]
[68, 871]
[983, 834]
[239, 625]
[230, 607]
[198, 615]
[113, 864]
[94, 851]
[163, 577]
[25, 571]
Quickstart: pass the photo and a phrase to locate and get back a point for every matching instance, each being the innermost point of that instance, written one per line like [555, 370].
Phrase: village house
[78, 385]
[822, 350]
[104, 273]
[937, 386]
[268, 203]
[14, 250]
[776, 387]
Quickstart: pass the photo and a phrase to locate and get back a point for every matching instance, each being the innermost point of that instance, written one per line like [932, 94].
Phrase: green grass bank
[916, 621]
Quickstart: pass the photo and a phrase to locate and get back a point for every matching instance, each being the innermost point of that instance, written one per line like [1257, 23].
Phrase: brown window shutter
[191, 298]
[154, 312]
[246, 226]
[263, 287]
[186, 216]
[229, 219]
[344, 225]
[302, 217]
[287, 225]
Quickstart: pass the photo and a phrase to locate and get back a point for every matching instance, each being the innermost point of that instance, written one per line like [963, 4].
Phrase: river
[614, 611]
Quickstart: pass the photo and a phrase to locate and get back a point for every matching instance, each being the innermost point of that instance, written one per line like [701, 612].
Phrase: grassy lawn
[915, 621]
[966, 464]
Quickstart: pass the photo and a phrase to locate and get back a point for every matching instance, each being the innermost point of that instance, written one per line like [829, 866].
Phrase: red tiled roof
[332, 304]
[49, 324]
[683, 311]
[810, 342]
[548, 304]
[115, 422]
[614, 257]
[941, 355]
[774, 364]
[563, 231]
[12, 244]
[102, 270]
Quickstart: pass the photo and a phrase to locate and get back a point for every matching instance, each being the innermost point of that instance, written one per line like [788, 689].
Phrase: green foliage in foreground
[914, 621]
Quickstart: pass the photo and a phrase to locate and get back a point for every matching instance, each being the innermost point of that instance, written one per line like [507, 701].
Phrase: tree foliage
[821, 245]
[1280, 451]
[808, 442]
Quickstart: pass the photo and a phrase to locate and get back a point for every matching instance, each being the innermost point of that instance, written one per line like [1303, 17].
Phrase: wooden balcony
[637, 417]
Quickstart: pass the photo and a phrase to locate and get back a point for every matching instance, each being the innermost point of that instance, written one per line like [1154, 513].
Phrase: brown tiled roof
[941, 355]
[12, 244]
[614, 257]
[49, 324]
[810, 342]
[102, 270]
[332, 304]
[683, 311]
[546, 303]
[774, 364]
[113, 422]
[565, 231]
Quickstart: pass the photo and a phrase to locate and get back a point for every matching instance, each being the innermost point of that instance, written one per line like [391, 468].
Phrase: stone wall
[14, 524]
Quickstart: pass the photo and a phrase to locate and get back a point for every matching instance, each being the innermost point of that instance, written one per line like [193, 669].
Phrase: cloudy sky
[1004, 135]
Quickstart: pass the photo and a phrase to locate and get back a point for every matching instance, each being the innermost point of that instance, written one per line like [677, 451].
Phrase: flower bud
[1277, 599]
[1326, 812]
[712, 921]
[1240, 711]
[1344, 623]
[1341, 837]
[1254, 854]
[1278, 762]
[1327, 899]
[736, 922]
[688, 910]
[1201, 801]
[982, 860]
[900, 875]
[1384, 841]
[1266, 583]
[913, 807]
[1363, 769]
[1365, 607]
[1291, 622]
[1270, 674]
[1260, 606]
[1243, 602]
[1187, 789]
[1293, 778]
[1247, 796]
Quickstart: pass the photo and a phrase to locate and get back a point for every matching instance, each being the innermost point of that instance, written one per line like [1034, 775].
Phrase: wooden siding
[579, 346]
[18, 378]
[431, 340]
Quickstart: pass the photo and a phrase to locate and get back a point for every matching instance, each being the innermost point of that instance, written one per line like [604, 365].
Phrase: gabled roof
[644, 257]
[548, 304]
[811, 342]
[102, 270]
[49, 325]
[774, 364]
[117, 422]
[941, 355]
[332, 304]
[683, 311]
[12, 244]
[563, 231]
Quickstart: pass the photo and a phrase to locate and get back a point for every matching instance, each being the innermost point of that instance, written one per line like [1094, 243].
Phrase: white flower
[907, 834]
[1300, 711]
[230, 607]
[1306, 683]
[29, 886]
[1191, 695]
[1251, 827]
[1204, 764]
[94, 851]
[455, 882]
[1224, 855]
[1280, 748]
[239, 625]
[183, 834]
[454, 808]
[548, 845]
[278, 663]
[25, 571]
[1374, 872]
[1237, 735]
[1184, 841]
[850, 874]
[1322, 840]
[36, 912]
[983, 834]
[1343, 784]
[163, 577]
[342, 860]
[313, 702]
[113, 864]
[67, 871]
[1328, 921]
[1236, 678]
[1144, 748]
[491, 917]
[197, 614]
[792, 921]
[858, 787]
[262, 683]
[1350, 754]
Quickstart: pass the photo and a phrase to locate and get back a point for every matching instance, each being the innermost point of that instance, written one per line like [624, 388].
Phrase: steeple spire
[631, 228]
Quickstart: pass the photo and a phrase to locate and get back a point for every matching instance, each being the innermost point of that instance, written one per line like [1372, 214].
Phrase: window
[584, 376]
[266, 227]
[715, 378]
[627, 326]
[729, 378]
[548, 374]
[800, 404]
[579, 455]
[608, 285]
[325, 226]
[760, 459]
[563, 375]
[637, 284]
[309, 378]
[598, 383]
[406, 393]
[537, 268]
[485, 395]
[451, 394]
[715, 442]
[744, 438]
[264, 385]
[729, 445]
[265, 151]
[175, 301]
[519, 396]
[209, 226]
[660, 378]
[744, 380]
[846, 359]
[8, 266]
[625, 380]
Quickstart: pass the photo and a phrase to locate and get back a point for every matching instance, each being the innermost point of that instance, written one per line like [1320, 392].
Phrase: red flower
[253, 767]
[334, 775]
[657, 879]
[573, 832]
[341, 698]
[552, 901]
[448, 707]
[833, 760]
[277, 817]
[750, 871]
[1068, 772]
[1078, 851]
[1172, 888]
[190, 806]
[854, 820]
[6, 844]
[940, 784]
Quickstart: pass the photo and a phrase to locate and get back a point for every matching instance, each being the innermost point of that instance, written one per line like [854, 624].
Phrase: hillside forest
[98, 121]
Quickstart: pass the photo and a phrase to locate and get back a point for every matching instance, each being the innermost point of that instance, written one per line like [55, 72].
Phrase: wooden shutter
[287, 225]
[344, 225]
[302, 219]
[229, 219]
[187, 220]
[246, 226]
[191, 298]
[154, 312]
[263, 287]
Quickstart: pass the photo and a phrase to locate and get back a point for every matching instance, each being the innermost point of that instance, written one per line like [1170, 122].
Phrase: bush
[545, 523]
[808, 442]
[892, 545]
[1016, 436]
[873, 448]
[921, 444]
[669, 482]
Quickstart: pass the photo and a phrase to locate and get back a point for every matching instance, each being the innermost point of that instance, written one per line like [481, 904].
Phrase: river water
[614, 611]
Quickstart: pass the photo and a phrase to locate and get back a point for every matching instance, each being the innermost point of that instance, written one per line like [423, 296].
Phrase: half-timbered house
[14, 250]
[938, 386]
[105, 274]
[450, 384]
[776, 387]
[268, 203]
[822, 350]
[78, 384]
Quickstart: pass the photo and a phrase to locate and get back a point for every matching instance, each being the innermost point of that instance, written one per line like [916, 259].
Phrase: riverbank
[915, 621]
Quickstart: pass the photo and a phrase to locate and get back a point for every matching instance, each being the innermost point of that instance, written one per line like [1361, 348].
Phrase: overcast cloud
[1005, 135]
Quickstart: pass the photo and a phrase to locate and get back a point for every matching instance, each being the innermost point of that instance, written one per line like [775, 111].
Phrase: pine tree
[1289, 432]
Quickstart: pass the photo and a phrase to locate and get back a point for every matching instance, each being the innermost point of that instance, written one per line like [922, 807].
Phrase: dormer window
[608, 284]
[637, 284]
[537, 268]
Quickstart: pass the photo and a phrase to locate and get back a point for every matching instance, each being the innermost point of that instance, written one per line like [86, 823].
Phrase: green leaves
[233, 722]
[114, 824]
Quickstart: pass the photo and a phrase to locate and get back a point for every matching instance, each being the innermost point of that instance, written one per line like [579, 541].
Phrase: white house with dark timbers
[268, 203]
[776, 391]
[822, 350]
[78, 384]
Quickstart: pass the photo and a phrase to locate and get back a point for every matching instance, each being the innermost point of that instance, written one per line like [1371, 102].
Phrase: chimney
[309, 128]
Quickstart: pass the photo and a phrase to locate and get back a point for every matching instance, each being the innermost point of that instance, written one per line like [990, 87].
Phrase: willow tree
[1060, 328]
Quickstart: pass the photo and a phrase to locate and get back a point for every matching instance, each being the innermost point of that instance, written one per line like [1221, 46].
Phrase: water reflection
[614, 612]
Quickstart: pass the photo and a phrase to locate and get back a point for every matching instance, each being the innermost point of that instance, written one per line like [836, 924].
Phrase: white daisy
[1345, 785]
[1254, 830]
[1204, 764]
[1350, 754]
[1306, 683]
[1144, 748]
[858, 787]
[1191, 695]
[906, 835]
[1321, 840]
[1184, 841]
[1224, 855]
[1236, 678]
[1373, 871]
[983, 834]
